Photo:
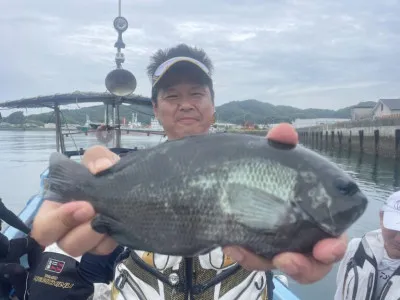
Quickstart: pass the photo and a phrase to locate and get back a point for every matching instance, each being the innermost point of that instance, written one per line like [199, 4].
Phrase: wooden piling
[376, 141]
[397, 143]
[361, 139]
[326, 139]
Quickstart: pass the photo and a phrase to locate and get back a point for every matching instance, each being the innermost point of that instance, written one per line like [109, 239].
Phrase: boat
[88, 125]
[120, 84]
[27, 214]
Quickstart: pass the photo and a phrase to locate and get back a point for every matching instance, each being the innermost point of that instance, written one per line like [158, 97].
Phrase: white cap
[391, 212]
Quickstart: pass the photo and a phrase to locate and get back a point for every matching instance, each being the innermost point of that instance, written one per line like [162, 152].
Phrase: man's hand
[303, 269]
[69, 223]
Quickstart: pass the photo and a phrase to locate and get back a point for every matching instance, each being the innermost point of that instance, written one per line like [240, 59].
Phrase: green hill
[233, 112]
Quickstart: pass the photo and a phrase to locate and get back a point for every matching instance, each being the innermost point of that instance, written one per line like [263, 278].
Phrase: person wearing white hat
[370, 268]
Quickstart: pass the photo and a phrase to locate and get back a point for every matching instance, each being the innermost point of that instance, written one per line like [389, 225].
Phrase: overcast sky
[321, 54]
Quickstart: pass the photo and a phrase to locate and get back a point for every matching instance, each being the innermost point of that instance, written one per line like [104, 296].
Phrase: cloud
[304, 53]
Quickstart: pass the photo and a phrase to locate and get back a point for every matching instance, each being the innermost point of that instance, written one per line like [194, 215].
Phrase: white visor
[165, 66]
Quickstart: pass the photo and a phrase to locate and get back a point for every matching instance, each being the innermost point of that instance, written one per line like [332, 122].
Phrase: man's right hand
[69, 224]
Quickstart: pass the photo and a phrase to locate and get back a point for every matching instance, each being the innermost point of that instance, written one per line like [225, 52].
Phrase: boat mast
[60, 145]
[119, 82]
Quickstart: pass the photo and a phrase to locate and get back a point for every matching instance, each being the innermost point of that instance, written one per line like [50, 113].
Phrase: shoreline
[25, 129]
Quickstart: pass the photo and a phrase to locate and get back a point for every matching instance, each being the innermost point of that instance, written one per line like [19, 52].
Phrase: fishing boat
[120, 84]
[27, 214]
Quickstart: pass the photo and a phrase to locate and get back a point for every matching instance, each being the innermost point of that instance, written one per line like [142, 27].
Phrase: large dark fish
[188, 196]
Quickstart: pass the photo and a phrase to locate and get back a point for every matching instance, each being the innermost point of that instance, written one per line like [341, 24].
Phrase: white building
[50, 125]
[386, 108]
[155, 125]
[363, 111]
[301, 123]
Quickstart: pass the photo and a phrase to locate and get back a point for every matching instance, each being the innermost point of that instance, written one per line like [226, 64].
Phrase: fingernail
[91, 167]
[288, 267]
[102, 163]
[235, 254]
[81, 215]
[338, 250]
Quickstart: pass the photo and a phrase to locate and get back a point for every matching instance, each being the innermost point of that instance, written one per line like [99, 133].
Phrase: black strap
[270, 284]
[12, 219]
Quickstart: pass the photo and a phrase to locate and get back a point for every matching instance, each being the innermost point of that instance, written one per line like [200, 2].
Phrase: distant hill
[261, 112]
[78, 116]
[233, 112]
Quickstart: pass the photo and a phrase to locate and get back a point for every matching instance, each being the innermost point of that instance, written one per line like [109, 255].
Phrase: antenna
[120, 82]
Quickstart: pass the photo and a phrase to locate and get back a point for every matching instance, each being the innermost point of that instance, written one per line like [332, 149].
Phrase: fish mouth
[338, 205]
[354, 207]
[346, 187]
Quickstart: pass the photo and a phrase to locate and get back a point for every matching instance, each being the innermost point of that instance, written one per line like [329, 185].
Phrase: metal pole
[58, 126]
[118, 128]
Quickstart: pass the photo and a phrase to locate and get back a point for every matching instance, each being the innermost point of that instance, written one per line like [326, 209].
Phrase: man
[370, 268]
[183, 102]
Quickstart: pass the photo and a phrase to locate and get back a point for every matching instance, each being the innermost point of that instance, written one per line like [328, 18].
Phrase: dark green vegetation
[237, 112]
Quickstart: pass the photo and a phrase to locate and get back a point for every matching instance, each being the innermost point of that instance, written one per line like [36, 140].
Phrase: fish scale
[188, 196]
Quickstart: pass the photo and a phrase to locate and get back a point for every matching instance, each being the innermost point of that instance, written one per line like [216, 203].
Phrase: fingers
[307, 269]
[303, 269]
[69, 223]
[283, 133]
[80, 240]
[332, 250]
[106, 246]
[54, 220]
[99, 158]
[247, 259]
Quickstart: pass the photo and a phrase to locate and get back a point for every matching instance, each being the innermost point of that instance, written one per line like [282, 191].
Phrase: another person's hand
[69, 224]
[302, 268]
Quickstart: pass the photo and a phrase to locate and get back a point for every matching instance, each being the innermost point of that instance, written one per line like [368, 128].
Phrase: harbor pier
[379, 137]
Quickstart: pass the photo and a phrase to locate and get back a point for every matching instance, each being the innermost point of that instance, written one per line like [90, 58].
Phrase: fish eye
[346, 187]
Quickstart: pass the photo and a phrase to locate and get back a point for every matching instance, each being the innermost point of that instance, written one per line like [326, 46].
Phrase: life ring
[104, 134]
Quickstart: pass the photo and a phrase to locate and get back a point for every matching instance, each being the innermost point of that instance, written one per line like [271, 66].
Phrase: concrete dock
[378, 137]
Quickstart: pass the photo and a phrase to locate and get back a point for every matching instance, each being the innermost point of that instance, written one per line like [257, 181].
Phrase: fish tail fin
[65, 179]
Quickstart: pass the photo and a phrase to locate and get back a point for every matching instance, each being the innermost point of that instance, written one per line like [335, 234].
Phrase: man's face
[184, 109]
[392, 240]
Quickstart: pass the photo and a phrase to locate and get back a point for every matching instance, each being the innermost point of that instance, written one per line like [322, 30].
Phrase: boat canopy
[55, 101]
[52, 101]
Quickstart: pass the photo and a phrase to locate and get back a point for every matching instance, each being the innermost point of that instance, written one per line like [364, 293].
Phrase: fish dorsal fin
[255, 208]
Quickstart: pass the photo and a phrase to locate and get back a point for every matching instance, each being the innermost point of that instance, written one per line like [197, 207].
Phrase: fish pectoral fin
[118, 231]
[106, 225]
[255, 208]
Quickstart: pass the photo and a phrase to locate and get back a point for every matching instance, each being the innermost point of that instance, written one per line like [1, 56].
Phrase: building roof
[393, 104]
[366, 105]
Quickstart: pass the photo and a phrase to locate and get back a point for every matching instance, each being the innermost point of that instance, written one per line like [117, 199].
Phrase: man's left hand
[304, 269]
